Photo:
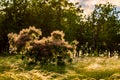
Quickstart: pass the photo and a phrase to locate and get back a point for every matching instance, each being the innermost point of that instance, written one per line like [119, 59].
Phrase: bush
[51, 49]
[21, 42]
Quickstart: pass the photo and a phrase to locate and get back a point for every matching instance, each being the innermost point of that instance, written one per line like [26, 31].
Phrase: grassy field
[88, 68]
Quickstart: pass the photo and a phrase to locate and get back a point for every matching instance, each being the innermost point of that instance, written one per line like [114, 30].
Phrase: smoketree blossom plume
[45, 50]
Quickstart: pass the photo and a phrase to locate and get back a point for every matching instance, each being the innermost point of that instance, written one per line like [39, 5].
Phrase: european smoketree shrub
[19, 43]
[30, 43]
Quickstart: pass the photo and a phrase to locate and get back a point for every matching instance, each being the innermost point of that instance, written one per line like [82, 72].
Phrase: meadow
[87, 68]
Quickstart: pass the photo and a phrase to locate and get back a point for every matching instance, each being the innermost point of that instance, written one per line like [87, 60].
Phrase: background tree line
[99, 32]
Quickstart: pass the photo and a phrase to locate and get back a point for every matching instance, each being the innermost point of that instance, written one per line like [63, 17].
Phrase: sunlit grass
[88, 68]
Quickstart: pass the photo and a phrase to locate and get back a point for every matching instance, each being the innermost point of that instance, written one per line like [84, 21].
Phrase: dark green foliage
[100, 31]
[49, 15]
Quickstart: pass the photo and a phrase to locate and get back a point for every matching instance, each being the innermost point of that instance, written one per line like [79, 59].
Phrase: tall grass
[88, 68]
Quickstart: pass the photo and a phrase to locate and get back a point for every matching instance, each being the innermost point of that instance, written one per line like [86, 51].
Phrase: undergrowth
[88, 68]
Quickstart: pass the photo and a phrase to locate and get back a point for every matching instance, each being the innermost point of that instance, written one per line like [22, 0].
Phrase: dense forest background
[99, 31]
